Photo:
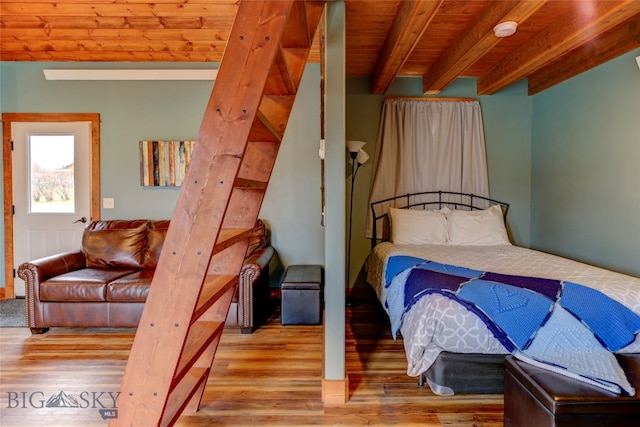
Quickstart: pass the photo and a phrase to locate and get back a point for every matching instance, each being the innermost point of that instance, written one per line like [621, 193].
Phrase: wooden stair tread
[214, 286]
[201, 334]
[181, 395]
[250, 184]
[229, 237]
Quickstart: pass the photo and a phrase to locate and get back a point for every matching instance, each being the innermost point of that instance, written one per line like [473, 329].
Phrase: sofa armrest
[259, 259]
[254, 272]
[51, 266]
[35, 272]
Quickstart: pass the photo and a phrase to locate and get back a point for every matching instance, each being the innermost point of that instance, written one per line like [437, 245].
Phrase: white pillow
[484, 227]
[418, 227]
[445, 210]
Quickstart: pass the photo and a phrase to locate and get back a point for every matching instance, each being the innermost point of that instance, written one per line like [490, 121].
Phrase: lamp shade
[362, 157]
[354, 146]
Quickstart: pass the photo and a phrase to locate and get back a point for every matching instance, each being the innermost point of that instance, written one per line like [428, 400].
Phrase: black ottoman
[301, 295]
[536, 397]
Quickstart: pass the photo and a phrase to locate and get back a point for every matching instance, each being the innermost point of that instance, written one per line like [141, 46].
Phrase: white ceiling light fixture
[638, 61]
[130, 74]
[505, 29]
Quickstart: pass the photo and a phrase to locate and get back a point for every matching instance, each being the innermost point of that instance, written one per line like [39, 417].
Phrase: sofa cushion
[88, 284]
[133, 287]
[114, 243]
[156, 232]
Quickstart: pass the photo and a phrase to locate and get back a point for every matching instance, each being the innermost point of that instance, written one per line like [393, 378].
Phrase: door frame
[7, 163]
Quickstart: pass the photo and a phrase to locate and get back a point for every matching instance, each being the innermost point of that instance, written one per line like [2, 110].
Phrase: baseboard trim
[335, 392]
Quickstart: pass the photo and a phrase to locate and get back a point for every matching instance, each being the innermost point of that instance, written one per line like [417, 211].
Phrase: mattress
[437, 324]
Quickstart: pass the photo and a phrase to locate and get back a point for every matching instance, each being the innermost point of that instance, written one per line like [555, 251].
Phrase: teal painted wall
[131, 111]
[585, 197]
[507, 127]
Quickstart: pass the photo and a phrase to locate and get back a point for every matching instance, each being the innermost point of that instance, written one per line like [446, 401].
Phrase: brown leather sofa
[106, 282]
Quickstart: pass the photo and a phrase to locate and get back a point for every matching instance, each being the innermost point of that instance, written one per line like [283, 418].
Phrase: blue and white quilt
[559, 325]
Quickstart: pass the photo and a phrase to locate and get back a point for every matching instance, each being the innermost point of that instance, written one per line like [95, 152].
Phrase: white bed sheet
[436, 323]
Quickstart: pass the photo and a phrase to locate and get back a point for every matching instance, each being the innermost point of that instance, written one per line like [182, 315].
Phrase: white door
[51, 189]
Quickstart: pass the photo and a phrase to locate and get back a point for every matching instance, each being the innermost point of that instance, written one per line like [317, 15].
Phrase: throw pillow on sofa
[115, 243]
[155, 238]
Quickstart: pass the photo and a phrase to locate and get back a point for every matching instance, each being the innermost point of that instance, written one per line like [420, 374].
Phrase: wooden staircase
[218, 205]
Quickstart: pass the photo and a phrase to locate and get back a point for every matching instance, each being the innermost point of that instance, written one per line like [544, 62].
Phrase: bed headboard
[425, 200]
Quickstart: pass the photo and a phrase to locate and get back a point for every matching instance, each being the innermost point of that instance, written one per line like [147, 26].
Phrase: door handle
[82, 220]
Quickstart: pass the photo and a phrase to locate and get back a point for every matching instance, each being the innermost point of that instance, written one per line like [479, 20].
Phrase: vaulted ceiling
[437, 40]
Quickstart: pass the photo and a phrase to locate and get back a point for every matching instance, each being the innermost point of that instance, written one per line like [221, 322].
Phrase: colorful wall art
[164, 163]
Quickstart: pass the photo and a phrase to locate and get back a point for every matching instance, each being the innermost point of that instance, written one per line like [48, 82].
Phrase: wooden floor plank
[269, 378]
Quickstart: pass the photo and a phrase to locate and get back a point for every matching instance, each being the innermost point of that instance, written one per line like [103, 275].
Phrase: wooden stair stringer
[217, 207]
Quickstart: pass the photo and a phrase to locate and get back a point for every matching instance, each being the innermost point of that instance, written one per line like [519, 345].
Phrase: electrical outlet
[108, 203]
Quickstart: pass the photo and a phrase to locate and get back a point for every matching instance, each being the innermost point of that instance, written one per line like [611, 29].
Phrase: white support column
[335, 385]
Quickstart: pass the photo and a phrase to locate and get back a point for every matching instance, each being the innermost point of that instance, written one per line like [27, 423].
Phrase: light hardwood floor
[269, 378]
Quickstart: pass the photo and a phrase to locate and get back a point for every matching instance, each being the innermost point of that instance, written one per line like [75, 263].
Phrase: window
[50, 172]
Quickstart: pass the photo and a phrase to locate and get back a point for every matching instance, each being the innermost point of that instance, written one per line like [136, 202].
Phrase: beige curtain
[428, 145]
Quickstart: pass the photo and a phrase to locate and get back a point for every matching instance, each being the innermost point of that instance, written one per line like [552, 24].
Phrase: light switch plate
[108, 203]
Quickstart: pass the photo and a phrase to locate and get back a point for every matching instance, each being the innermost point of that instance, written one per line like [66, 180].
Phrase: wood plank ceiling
[438, 40]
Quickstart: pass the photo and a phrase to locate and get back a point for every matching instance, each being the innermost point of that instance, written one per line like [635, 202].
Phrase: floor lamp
[358, 158]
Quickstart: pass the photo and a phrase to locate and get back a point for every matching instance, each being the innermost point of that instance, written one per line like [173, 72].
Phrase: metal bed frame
[427, 200]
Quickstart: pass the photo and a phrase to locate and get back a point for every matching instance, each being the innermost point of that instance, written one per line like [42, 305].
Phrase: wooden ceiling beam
[622, 39]
[563, 35]
[411, 20]
[475, 42]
